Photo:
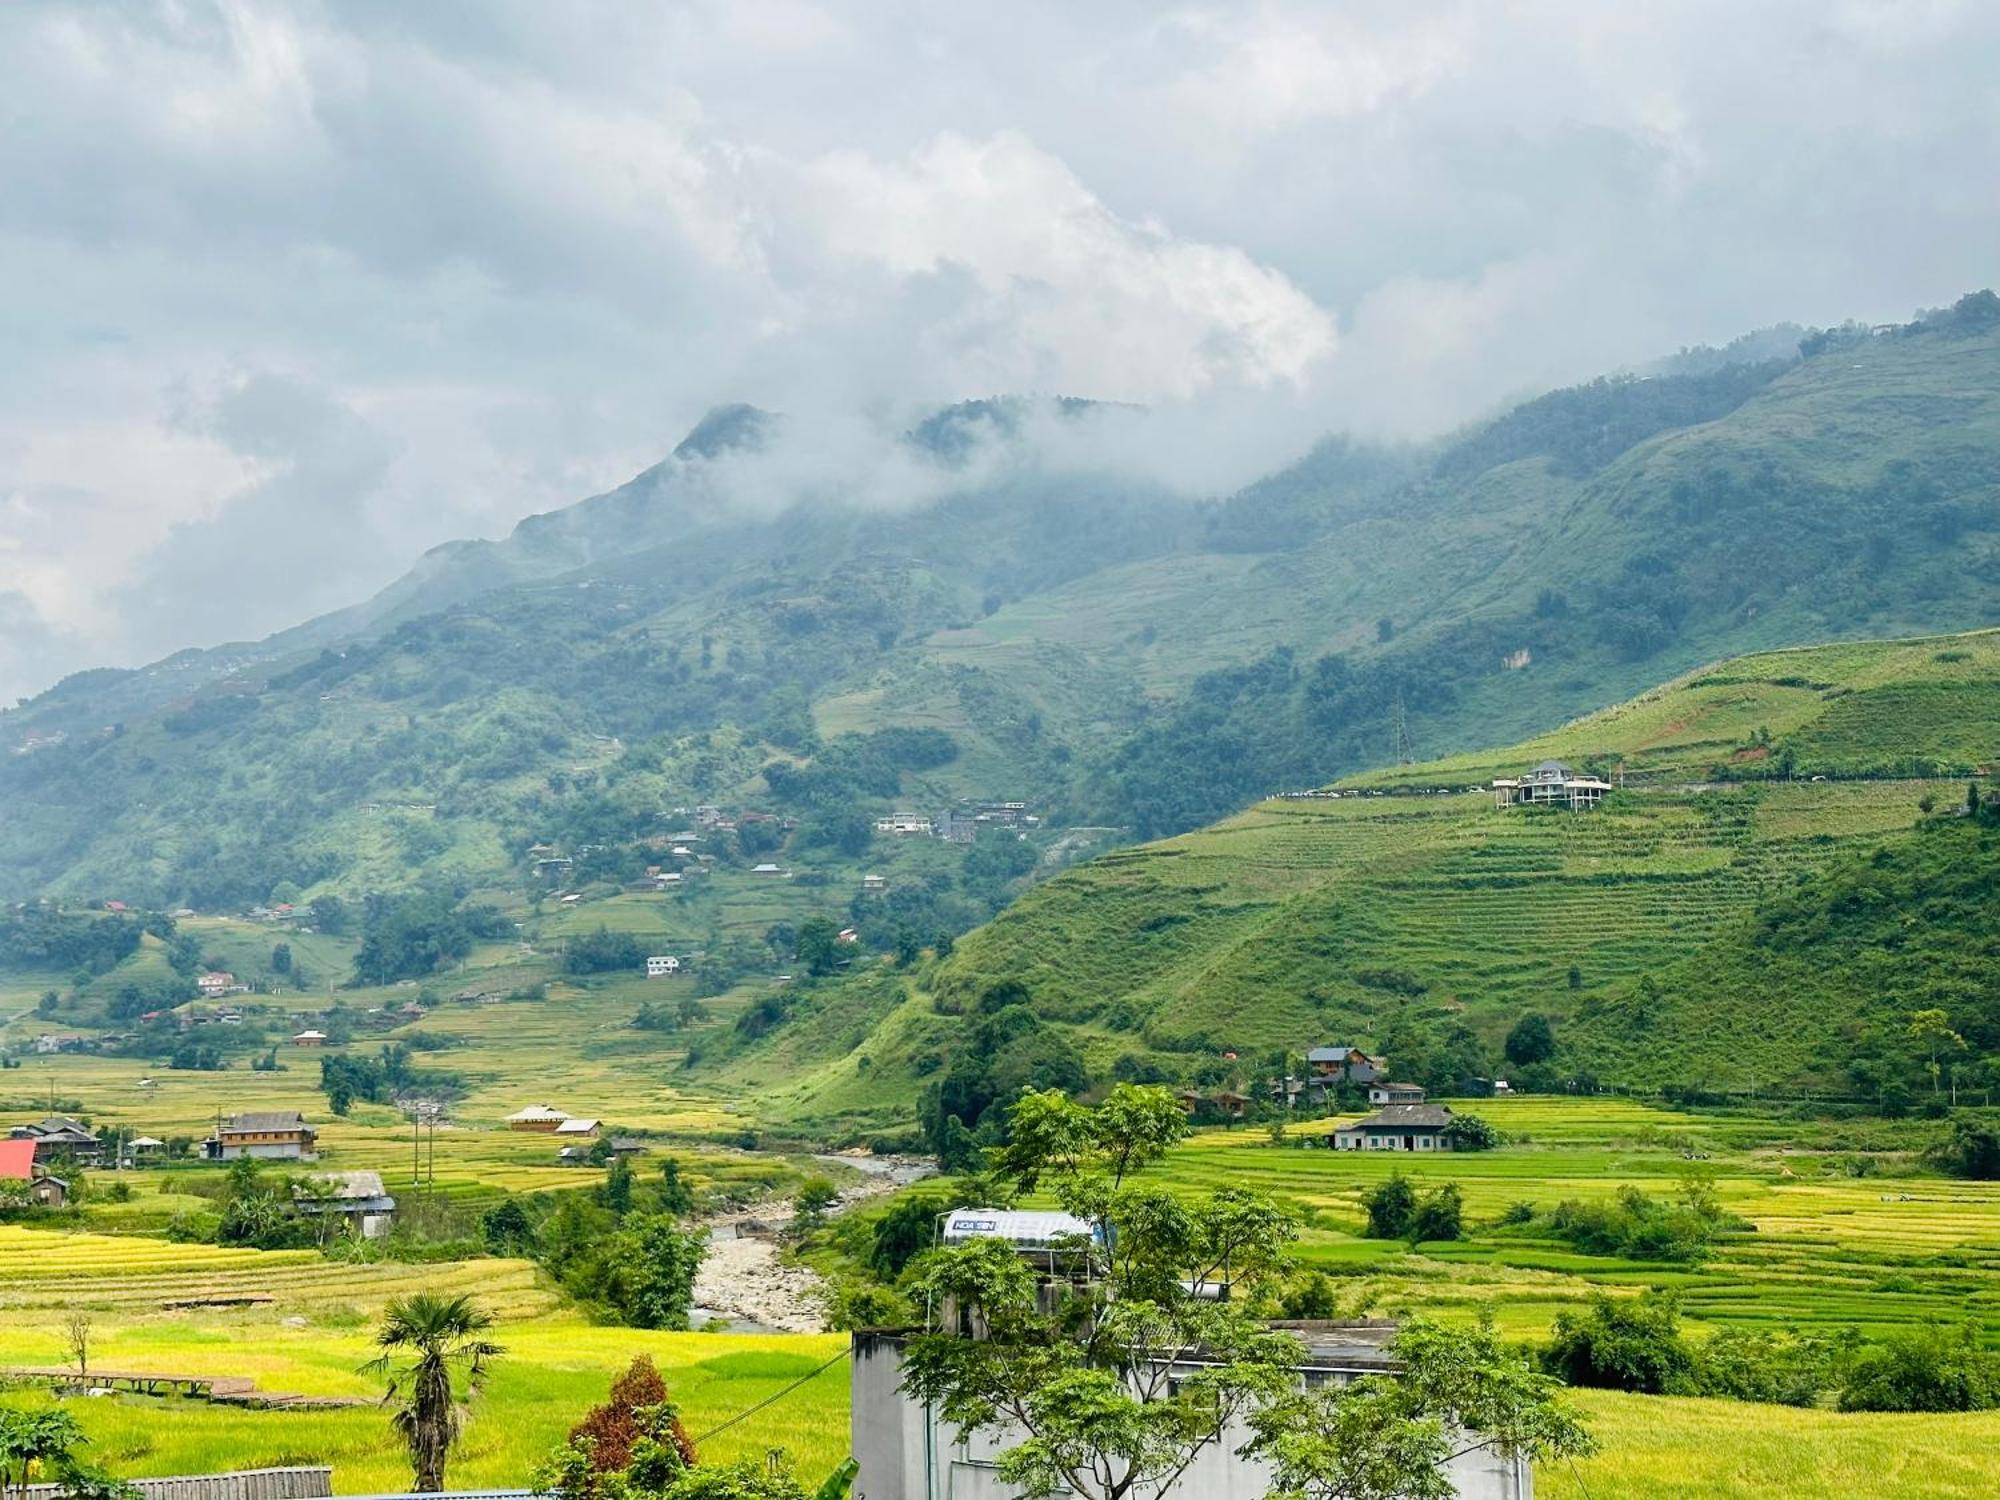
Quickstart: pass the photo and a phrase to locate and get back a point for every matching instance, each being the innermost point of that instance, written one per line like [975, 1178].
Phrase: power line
[769, 1400]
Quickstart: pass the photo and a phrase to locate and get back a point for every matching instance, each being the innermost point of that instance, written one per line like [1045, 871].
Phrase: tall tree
[425, 1340]
[1118, 1389]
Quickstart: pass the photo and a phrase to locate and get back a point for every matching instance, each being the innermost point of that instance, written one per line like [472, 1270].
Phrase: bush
[1397, 1212]
[1927, 1369]
[1973, 1151]
[1641, 1227]
[1624, 1344]
[1471, 1133]
[1390, 1208]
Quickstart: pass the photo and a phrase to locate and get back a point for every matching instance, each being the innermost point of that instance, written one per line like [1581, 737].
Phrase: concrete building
[1395, 1093]
[358, 1199]
[908, 1452]
[1399, 1127]
[1551, 784]
[269, 1135]
[660, 965]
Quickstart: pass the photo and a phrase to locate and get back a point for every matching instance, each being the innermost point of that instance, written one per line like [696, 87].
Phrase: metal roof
[1403, 1117]
[1028, 1228]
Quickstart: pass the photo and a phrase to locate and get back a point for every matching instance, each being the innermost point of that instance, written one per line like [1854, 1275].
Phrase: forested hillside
[1110, 653]
[1692, 933]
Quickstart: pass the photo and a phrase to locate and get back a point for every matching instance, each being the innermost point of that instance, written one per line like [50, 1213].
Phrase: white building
[660, 965]
[1551, 784]
[909, 1452]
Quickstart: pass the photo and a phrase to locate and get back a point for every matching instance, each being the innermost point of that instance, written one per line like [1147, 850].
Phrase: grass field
[1828, 1250]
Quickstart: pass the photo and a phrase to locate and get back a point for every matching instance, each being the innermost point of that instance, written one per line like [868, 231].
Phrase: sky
[291, 292]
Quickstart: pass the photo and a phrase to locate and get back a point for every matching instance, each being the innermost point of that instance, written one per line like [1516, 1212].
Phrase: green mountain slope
[1411, 914]
[1115, 654]
[1819, 984]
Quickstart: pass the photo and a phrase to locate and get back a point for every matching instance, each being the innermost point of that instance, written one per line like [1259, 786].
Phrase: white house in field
[1551, 784]
[660, 965]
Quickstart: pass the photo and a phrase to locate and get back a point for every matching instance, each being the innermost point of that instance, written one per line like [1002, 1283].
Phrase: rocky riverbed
[744, 1279]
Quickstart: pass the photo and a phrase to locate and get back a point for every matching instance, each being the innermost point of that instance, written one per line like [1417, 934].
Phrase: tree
[1471, 1133]
[1440, 1215]
[1931, 1029]
[616, 1194]
[1389, 1437]
[818, 945]
[34, 1438]
[1096, 1393]
[1624, 1344]
[281, 958]
[814, 1197]
[649, 1268]
[425, 1339]
[1925, 1369]
[1390, 1206]
[676, 1197]
[1532, 1040]
[76, 1336]
[614, 1429]
[1973, 1151]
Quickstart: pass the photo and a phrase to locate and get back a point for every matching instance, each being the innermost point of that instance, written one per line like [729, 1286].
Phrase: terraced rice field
[1828, 1251]
[1298, 921]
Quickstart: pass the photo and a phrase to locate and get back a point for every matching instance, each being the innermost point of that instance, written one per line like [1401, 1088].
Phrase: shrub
[1471, 1133]
[1624, 1344]
[613, 1428]
[1390, 1206]
[1927, 1369]
[1440, 1215]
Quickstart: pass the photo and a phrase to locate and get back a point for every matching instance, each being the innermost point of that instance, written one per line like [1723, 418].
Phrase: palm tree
[436, 1335]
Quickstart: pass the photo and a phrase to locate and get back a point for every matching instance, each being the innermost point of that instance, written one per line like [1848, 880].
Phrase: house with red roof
[17, 1165]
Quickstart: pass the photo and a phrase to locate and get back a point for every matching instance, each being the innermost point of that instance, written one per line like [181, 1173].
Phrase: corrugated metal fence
[245, 1484]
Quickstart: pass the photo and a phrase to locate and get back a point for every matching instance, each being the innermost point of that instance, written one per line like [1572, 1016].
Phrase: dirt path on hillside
[744, 1278]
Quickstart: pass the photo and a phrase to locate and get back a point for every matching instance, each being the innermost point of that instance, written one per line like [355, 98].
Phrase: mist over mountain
[1123, 651]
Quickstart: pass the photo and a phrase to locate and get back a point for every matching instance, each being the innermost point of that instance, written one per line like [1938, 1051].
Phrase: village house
[1342, 1063]
[1398, 1127]
[955, 827]
[575, 1129]
[660, 965]
[309, 1038]
[17, 1165]
[903, 823]
[873, 884]
[60, 1138]
[1551, 784]
[908, 1451]
[268, 1135]
[768, 869]
[1395, 1093]
[215, 984]
[357, 1199]
[536, 1117]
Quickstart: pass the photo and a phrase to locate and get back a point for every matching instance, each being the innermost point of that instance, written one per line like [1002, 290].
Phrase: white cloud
[507, 253]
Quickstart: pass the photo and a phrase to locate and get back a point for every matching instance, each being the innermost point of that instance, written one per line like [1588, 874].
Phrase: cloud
[294, 290]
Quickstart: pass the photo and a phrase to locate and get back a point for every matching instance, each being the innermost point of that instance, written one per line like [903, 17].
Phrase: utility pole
[1399, 729]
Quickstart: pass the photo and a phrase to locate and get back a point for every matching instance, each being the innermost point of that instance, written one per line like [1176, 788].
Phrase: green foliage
[426, 1341]
[1397, 1211]
[1624, 1344]
[1388, 1437]
[603, 951]
[1640, 1227]
[1532, 1040]
[1973, 1150]
[1934, 1368]
[646, 1273]
[1469, 1132]
[407, 937]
